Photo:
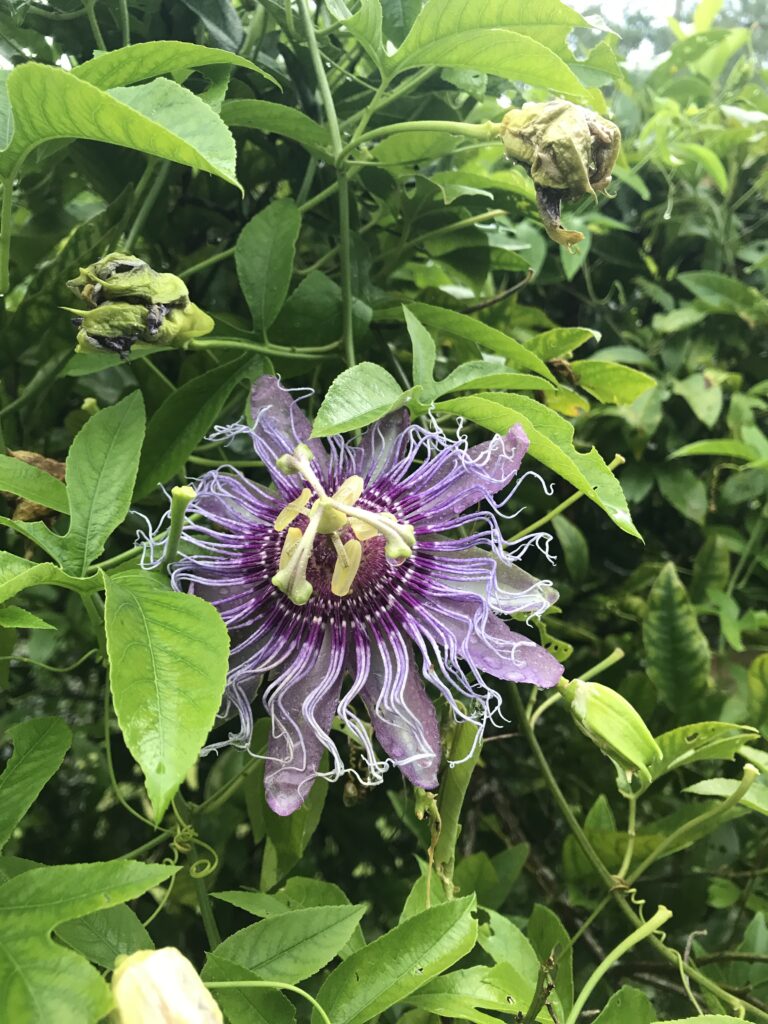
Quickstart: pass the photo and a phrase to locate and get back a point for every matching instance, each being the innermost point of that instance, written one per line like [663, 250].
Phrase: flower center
[328, 515]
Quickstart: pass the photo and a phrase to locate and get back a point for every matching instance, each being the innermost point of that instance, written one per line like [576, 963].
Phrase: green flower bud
[614, 726]
[570, 151]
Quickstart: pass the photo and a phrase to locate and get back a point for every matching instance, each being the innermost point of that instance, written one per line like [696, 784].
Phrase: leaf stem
[618, 460]
[345, 237]
[279, 985]
[93, 22]
[486, 131]
[661, 916]
[463, 755]
[631, 836]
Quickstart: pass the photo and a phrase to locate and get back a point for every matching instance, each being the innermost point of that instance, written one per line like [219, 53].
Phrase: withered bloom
[570, 151]
[132, 303]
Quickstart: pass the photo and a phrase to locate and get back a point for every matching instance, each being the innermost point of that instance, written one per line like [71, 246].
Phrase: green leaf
[19, 618]
[559, 341]
[756, 797]
[676, 650]
[105, 935]
[452, 324]
[288, 837]
[17, 574]
[575, 547]
[463, 995]
[42, 981]
[706, 1018]
[221, 21]
[704, 396]
[264, 259]
[168, 655]
[246, 1005]
[684, 490]
[628, 1004]
[39, 747]
[101, 470]
[142, 61]
[724, 294]
[548, 937]
[357, 397]
[700, 741]
[424, 356]
[184, 418]
[34, 484]
[711, 567]
[260, 904]
[708, 159]
[398, 963]
[728, 447]
[293, 946]
[551, 442]
[366, 27]
[479, 375]
[280, 119]
[611, 382]
[449, 33]
[160, 118]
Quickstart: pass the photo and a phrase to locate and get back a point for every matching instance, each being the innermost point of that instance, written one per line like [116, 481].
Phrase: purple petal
[455, 479]
[508, 588]
[302, 710]
[382, 445]
[402, 715]
[279, 426]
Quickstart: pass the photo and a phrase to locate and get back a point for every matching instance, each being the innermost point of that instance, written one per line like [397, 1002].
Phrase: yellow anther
[292, 538]
[350, 490]
[293, 509]
[346, 567]
[363, 531]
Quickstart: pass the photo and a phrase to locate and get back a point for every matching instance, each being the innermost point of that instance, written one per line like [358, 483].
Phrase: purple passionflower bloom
[351, 583]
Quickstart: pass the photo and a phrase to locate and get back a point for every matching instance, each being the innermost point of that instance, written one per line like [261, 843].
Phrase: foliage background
[670, 281]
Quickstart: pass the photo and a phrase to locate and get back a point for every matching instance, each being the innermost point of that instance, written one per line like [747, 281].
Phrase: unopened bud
[570, 151]
[161, 987]
[613, 725]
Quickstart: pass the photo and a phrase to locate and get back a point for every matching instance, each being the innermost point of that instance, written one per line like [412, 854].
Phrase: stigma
[334, 518]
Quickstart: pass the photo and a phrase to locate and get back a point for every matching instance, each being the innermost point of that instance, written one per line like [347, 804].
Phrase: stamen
[400, 538]
[292, 538]
[345, 570]
[350, 490]
[293, 509]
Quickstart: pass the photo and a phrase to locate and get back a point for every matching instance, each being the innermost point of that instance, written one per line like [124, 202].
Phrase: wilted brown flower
[570, 151]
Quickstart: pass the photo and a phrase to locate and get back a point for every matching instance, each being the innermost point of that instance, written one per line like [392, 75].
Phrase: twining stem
[486, 131]
[183, 813]
[631, 836]
[618, 460]
[670, 955]
[286, 352]
[643, 932]
[345, 238]
[93, 22]
[692, 826]
[158, 176]
[282, 986]
[6, 209]
[125, 23]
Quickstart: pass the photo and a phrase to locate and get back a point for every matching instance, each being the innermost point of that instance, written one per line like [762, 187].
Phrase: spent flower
[370, 564]
[570, 151]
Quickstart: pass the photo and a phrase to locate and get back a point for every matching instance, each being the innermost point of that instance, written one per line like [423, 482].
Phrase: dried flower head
[570, 150]
[369, 564]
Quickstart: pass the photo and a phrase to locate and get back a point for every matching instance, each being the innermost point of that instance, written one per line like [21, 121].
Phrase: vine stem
[158, 176]
[125, 23]
[616, 461]
[631, 835]
[281, 986]
[93, 22]
[486, 131]
[345, 239]
[645, 930]
[670, 955]
[5, 234]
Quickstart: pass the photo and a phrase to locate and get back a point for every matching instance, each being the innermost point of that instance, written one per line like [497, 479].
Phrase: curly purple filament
[432, 615]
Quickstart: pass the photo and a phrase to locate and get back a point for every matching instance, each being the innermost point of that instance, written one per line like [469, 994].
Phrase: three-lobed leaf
[168, 655]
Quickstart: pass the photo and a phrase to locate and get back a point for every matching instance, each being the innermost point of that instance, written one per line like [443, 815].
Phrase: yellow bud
[161, 987]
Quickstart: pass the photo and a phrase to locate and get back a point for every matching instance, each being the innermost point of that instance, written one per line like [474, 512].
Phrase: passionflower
[570, 151]
[367, 571]
[160, 986]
